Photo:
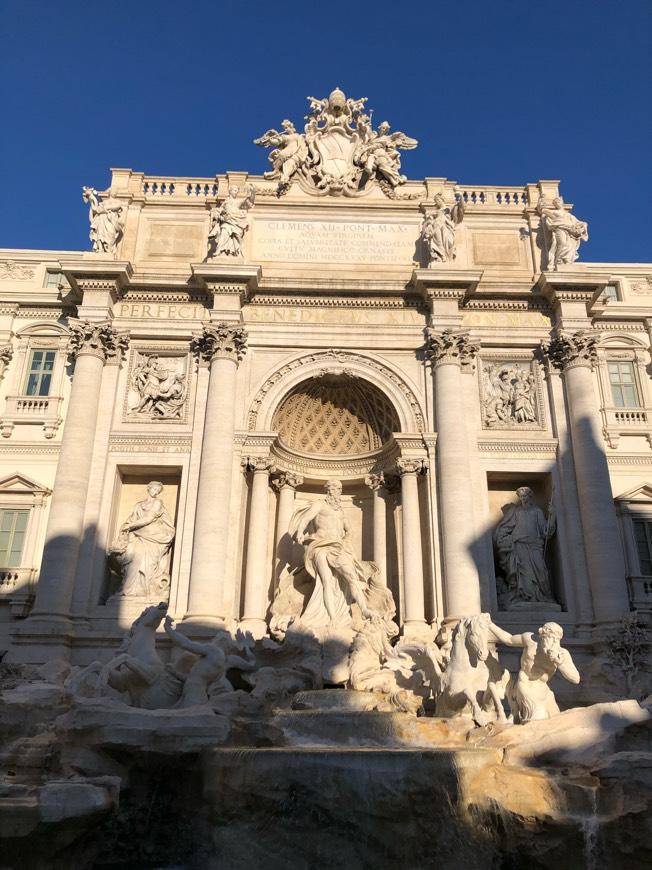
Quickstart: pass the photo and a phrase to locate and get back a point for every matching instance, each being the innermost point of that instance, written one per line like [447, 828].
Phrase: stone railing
[164, 188]
[506, 197]
[629, 416]
[42, 410]
[640, 592]
[13, 579]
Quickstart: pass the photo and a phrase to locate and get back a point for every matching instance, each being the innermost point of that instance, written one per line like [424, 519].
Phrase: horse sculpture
[473, 682]
[137, 670]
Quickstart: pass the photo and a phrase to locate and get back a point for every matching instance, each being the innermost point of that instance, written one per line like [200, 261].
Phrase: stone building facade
[243, 339]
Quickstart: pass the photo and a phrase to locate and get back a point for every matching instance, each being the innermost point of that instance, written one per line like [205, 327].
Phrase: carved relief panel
[157, 386]
[511, 394]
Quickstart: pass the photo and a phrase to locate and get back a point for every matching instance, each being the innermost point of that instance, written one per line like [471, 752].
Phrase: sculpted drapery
[143, 546]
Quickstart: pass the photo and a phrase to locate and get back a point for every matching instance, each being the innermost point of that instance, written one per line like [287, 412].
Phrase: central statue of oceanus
[340, 578]
[338, 152]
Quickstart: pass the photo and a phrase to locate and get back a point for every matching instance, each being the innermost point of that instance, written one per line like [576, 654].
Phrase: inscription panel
[174, 240]
[318, 241]
[496, 249]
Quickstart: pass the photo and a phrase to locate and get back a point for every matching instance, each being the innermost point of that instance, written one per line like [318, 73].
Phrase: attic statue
[229, 221]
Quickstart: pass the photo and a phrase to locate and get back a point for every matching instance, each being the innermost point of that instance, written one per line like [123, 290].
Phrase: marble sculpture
[142, 547]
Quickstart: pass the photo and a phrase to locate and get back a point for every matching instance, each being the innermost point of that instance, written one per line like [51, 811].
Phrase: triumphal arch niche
[257, 385]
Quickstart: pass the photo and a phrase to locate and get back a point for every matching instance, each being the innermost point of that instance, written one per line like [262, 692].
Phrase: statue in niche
[528, 694]
[107, 221]
[161, 391]
[229, 221]
[340, 578]
[142, 547]
[508, 395]
[562, 232]
[520, 539]
[438, 229]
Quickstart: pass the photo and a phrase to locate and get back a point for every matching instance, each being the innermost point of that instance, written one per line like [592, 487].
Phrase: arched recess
[284, 379]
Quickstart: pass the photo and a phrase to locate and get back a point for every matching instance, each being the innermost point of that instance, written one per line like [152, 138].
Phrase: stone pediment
[642, 493]
[20, 483]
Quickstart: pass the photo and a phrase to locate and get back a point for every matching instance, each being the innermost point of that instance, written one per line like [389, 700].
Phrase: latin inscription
[334, 242]
[283, 314]
[160, 311]
[506, 318]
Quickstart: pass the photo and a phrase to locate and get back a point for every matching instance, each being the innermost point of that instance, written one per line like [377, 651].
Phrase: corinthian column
[575, 354]
[448, 352]
[222, 345]
[286, 485]
[91, 344]
[376, 483]
[258, 573]
[415, 609]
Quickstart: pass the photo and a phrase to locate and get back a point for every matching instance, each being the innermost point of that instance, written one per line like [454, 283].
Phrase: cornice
[384, 302]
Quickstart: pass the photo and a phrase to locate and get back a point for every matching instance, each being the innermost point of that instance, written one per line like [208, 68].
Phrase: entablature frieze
[151, 443]
[501, 446]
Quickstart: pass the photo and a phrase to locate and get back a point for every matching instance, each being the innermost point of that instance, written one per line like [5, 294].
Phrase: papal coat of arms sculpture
[339, 152]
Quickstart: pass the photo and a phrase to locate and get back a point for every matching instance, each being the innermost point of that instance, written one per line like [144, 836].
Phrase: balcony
[42, 411]
[17, 587]
[640, 592]
[626, 421]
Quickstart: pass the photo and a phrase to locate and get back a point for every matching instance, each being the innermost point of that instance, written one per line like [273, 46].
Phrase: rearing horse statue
[136, 670]
[473, 682]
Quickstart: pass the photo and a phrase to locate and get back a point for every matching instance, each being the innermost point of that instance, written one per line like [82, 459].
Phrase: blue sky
[499, 92]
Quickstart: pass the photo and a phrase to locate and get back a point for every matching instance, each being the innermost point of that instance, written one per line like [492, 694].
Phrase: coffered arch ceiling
[335, 415]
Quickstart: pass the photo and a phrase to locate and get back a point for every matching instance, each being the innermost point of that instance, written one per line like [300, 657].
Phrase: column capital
[96, 339]
[375, 482]
[572, 349]
[221, 341]
[286, 480]
[450, 347]
[258, 464]
[410, 466]
[6, 353]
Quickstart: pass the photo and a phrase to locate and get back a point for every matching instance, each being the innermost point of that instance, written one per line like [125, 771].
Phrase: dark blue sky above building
[496, 93]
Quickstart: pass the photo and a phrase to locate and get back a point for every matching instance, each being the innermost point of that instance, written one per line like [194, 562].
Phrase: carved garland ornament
[341, 357]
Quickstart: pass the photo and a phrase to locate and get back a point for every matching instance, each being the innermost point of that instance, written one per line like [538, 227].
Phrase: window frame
[620, 384]
[40, 373]
[627, 420]
[17, 583]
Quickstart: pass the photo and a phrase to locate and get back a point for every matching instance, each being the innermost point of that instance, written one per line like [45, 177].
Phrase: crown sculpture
[339, 152]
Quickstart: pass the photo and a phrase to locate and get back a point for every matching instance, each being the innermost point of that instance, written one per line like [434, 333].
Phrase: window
[39, 374]
[12, 536]
[623, 385]
[609, 294]
[56, 279]
[643, 537]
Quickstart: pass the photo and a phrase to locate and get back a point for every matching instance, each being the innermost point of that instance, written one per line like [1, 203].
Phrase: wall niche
[523, 526]
[143, 527]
